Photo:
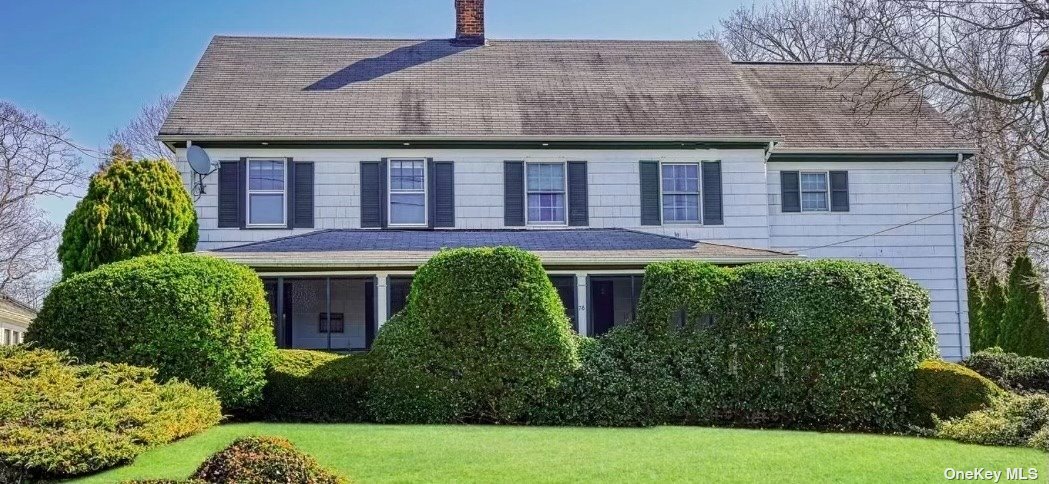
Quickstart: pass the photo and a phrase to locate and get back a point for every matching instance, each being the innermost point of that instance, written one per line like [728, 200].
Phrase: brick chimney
[469, 22]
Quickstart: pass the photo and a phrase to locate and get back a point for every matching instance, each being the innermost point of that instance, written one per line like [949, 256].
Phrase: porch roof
[371, 249]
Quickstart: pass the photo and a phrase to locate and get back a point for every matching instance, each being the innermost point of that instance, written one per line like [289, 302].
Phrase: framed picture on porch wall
[337, 323]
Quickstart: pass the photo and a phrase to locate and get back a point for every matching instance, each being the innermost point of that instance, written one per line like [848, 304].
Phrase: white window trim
[801, 191]
[425, 192]
[248, 192]
[699, 193]
[564, 192]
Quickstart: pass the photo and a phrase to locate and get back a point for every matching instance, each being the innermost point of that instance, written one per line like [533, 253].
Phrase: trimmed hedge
[1015, 420]
[689, 286]
[483, 339]
[60, 419]
[814, 344]
[949, 390]
[197, 318]
[1021, 374]
[314, 386]
[259, 460]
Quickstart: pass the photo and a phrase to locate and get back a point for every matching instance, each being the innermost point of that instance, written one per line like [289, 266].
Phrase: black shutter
[442, 194]
[230, 194]
[373, 194]
[289, 184]
[303, 191]
[578, 206]
[513, 193]
[790, 191]
[839, 191]
[650, 215]
[712, 197]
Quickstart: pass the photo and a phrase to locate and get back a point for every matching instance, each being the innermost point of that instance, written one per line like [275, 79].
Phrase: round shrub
[197, 318]
[131, 208]
[482, 339]
[949, 390]
[259, 460]
[1022, 374]
[60, 419]
[315, 386]
[670, 287]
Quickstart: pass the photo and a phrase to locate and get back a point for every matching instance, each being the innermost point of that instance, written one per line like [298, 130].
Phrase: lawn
[387, 453]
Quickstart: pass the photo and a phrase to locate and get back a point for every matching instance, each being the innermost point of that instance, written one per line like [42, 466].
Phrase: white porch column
[381, 302]
[581, 300]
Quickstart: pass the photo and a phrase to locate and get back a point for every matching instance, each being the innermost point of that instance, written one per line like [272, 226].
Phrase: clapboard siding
[881, 196]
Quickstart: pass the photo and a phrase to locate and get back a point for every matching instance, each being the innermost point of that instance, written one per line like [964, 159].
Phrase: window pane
[813, 182]
[266, 175]
[546, 177]
[814, 201]
[681, 178]
[407, 208]
[681, 208]
[266, 208]
[407, 175]
[546, 207]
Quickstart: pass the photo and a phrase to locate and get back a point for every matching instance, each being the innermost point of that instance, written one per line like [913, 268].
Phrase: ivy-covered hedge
[1021, 374]
[822, 344]
[315, 386]
[61, 419]
[197, 318]
[949, 390]
[483, 338]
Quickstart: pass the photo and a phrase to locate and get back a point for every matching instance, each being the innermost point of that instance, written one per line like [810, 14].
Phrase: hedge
[252, 460]
[197, 318]
[60, 419]
[949, 390]
[689, 286]
[483, 338]
[1022, 374]
[315, 386]
[820, 344]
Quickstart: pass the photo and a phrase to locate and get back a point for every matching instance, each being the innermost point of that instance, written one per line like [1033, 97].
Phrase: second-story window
[267, 190]
[814, 192]
[408, 192]
[680, 192]
[545, 186]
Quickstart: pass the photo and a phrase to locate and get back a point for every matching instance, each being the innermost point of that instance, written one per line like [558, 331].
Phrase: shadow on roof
[388, 63]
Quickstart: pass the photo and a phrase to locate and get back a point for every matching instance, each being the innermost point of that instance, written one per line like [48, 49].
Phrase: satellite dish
[199, 160]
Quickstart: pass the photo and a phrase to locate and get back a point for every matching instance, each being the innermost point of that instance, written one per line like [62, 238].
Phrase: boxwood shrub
[263, 459]
[483, 338]
[60, 419]
[315, 386]
[1022, 374]
[949, 390]
[197, 318]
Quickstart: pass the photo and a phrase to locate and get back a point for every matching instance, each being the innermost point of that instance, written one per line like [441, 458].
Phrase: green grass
[388, 453]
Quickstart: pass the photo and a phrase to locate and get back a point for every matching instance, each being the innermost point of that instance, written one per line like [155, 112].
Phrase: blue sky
[90, 65]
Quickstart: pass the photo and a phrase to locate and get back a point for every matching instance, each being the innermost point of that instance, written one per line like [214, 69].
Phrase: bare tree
[138, 135]
[36, 161]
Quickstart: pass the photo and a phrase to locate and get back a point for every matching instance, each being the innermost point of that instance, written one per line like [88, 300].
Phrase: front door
[602, 304]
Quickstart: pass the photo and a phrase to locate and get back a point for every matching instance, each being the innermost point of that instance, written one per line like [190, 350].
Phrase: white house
[340, 165]
[15, 318]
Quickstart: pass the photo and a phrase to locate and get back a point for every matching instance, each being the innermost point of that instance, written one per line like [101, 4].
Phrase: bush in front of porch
[315, 386]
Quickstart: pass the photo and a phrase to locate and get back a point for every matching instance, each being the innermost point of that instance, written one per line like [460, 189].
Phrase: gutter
[409, 138]
[957, 267]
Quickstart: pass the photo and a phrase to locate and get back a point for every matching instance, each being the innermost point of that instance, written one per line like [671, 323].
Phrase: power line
[894, 227]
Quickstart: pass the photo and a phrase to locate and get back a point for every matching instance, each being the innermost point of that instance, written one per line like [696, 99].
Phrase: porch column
[581, 299]
[382, 305]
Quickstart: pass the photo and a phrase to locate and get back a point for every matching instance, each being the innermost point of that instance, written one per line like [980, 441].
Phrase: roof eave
[407, 138]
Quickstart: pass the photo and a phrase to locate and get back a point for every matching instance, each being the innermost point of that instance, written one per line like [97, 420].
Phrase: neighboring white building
[15, 318]
[342, 164]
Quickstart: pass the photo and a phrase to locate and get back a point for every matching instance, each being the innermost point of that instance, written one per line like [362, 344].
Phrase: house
[340, 165]
[14, 321]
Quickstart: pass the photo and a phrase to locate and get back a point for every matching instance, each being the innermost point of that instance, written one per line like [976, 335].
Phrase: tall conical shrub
[977, 341]
[1025, 329]
[993, 311]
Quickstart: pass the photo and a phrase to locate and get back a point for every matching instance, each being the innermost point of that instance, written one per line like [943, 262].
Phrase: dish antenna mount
[200, 163]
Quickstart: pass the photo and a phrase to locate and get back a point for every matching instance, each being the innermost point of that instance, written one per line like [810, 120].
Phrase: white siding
[882, 196]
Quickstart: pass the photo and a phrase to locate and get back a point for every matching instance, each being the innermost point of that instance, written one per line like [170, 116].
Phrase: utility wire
[894, 227]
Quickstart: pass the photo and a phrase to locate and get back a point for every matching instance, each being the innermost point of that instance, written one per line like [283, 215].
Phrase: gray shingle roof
[813, 106]
[356, 88]
[363, 249]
